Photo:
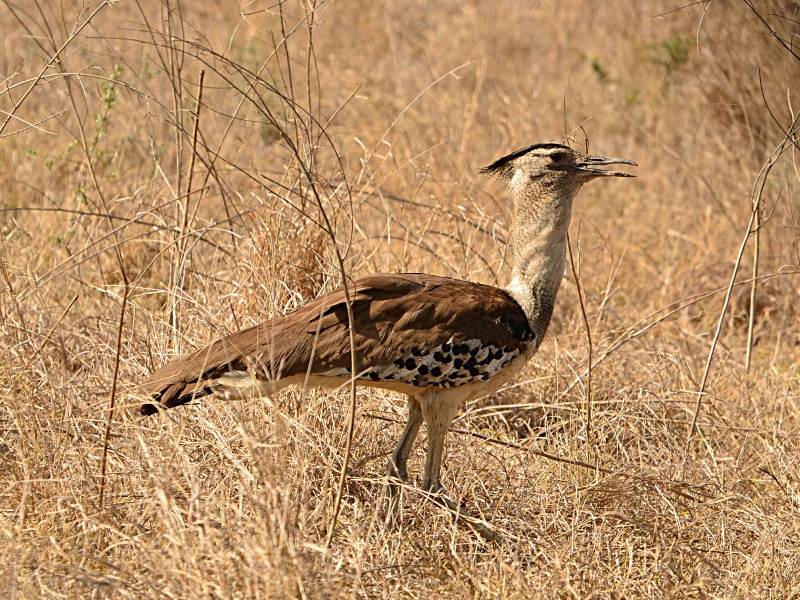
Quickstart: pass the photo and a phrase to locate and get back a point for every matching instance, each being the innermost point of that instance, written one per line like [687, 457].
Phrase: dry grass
[381, 114]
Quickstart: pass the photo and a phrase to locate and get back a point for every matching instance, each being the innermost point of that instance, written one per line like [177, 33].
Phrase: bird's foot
[436, 492]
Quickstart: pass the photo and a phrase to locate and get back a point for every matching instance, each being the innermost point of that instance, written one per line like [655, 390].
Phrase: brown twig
[113, 396]
[751, 320]
[576, 275]
[183, 239]
[193, 158]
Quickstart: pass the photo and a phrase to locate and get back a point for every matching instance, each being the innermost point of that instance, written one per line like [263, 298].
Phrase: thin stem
[575, 273]
[113, 397]
[753, 290]
[183, 238]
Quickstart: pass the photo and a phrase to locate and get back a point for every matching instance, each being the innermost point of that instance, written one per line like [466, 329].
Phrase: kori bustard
[439, 341]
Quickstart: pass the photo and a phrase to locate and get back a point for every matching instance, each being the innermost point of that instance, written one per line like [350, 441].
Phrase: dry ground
[379, 115]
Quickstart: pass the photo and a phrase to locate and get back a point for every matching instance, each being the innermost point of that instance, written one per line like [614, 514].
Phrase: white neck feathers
[539, 238]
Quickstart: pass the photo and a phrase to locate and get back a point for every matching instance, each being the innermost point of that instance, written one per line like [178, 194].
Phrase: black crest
[502, 166]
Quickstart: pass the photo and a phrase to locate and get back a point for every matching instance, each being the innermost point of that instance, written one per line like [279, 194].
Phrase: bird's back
[410, 331]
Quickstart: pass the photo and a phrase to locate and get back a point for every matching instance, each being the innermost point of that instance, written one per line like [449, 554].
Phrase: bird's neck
[539, 241]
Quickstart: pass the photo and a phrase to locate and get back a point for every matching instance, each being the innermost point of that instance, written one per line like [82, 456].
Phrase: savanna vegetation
[175, 170]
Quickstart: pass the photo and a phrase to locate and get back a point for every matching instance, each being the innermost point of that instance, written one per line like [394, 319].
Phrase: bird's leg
[438, 411]
[399, 459]
[396, 469]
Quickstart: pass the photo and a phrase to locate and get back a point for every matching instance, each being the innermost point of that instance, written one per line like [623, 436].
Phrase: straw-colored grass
[130, 236]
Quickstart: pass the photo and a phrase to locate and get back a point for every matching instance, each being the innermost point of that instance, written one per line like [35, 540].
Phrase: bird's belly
[475, 374]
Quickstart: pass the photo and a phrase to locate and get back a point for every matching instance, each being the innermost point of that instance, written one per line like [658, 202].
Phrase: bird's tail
[175, 395]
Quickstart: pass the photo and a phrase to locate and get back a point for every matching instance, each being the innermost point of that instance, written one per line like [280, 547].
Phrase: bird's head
[543, 180]
[552, 167]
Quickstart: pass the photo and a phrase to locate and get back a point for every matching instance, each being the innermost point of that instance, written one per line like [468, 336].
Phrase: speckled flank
[447, 365]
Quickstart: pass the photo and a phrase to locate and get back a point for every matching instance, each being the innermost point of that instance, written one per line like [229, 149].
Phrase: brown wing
[411, 328]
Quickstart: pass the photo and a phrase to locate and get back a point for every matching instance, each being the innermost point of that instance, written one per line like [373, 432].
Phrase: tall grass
[174, 171]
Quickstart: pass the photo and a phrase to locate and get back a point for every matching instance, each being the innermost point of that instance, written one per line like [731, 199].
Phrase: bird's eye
[558, 157]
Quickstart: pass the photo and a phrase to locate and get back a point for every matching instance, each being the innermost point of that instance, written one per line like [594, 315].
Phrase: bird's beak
[589, 163]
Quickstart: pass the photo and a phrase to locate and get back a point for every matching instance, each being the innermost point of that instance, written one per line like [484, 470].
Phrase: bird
[440, 341]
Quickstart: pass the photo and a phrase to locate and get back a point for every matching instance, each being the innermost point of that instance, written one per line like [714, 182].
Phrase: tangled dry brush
[173, 170]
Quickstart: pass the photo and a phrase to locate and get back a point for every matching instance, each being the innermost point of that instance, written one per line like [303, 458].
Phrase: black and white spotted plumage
[446, 365]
